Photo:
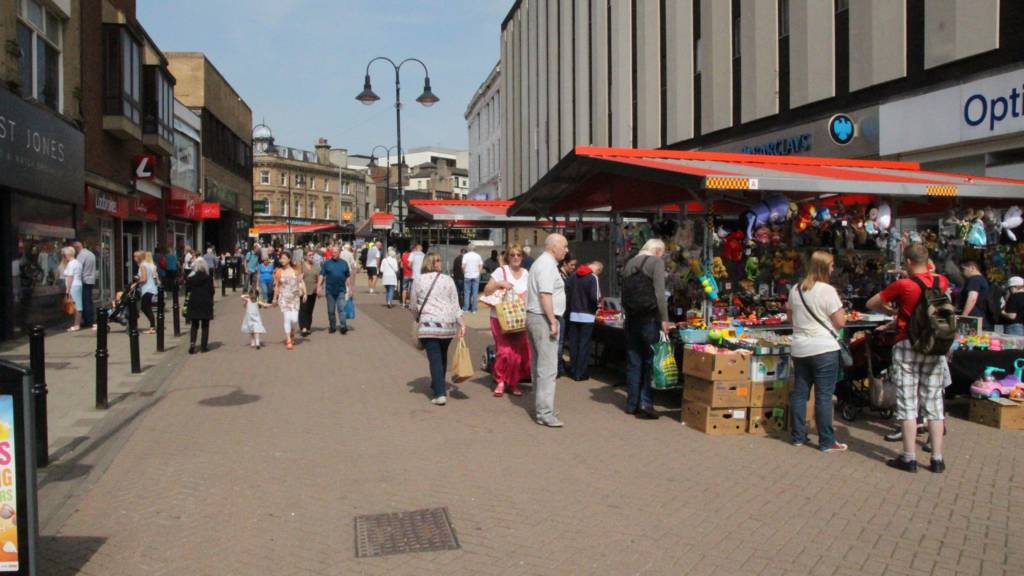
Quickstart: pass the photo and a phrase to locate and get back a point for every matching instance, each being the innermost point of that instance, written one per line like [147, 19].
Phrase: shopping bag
[665, 374]
[462, 368]
[511, 314]
[350, 309]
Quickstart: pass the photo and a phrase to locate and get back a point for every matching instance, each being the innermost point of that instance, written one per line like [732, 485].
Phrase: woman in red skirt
[512, 351]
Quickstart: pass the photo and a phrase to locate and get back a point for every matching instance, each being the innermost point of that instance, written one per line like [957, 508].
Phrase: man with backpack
[643, 298]
[926, 321]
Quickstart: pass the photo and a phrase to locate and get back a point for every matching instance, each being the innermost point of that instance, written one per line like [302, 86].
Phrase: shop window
[264, 176]
[122, 83]
[40, 41]
[158, 103]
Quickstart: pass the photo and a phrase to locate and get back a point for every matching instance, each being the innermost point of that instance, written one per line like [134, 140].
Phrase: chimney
[323, 152]
[339, 157]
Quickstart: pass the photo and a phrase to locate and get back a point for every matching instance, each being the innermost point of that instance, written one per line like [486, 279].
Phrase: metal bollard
[160, 319]
[37, 355]
[176, 310]
[133, 333]
[224, 281]
[102, 354]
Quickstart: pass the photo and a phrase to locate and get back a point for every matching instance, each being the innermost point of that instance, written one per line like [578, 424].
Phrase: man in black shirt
[974, 293]
[1013, 311]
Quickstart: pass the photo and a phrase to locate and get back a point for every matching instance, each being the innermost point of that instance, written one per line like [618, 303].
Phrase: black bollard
[102, 324]
[160, 319]
[176, 310]
[133, 333]
[224, 280]
[234, 281]
[37, 355]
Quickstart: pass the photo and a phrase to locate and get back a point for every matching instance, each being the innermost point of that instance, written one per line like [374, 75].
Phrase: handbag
[462, 368]
[69, 306]
[416, 321]
[511, 314]
[844, 351]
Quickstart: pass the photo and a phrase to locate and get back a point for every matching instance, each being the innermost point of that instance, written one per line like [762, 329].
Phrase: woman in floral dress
[289, 293]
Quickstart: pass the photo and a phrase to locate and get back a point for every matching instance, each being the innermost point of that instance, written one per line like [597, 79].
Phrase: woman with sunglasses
[512, 351]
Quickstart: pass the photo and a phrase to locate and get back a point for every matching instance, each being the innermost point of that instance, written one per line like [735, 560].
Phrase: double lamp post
[427, 98]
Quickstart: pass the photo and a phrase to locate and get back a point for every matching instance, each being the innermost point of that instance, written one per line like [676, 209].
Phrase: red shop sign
[209, 210]
[184, 204]
[144, 207]
[100, 202]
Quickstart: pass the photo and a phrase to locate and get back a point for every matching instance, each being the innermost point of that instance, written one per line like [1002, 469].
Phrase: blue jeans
[580, 334]
[470, 289]
[640, 335]
[336, 308]
[437, 355]
[389, 294]
[819, 371]
[1011, 329]
[266, 291]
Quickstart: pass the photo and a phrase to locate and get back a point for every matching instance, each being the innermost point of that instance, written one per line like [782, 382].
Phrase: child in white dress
[252, 324]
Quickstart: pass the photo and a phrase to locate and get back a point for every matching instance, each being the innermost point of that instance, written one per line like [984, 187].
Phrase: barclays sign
[781, 147]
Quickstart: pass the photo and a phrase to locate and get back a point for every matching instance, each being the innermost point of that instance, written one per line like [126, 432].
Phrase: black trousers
[88, 306]
[196, 324]
[147, 309]
[306, 312]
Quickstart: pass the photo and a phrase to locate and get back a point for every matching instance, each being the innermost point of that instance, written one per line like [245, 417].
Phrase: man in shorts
[372, 265]
[919, 378]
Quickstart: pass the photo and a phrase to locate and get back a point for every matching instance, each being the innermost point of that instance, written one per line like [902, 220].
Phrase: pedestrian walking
[72, 275]
[252, 263]
[472, 265]
[389, 270]
[199, 295]
[349, 258]
[266, 277]
[88, 260]
[335, 283]
[511, 351]
[644, 282]
[252, 324]
[544, 304]
[310, 277]
[527, 258]
[147, 284]
[459, 277]
[372, 265]
[190, 258]
[406, 277]
[817, 315]
[289, 293]
[919, 377]
[436, 306]
[584, 299]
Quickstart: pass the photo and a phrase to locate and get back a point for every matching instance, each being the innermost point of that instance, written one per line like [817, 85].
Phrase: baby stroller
[119, 310]
[872, 357]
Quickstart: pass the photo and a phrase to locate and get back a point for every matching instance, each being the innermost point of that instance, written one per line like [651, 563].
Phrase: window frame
[39, 33]
[158, 97]
[121, 97]
[265, 177]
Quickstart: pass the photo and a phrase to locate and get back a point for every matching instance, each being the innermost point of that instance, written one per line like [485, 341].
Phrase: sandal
[499, 390]
[288, 345]
[516, 391]
[73, 329]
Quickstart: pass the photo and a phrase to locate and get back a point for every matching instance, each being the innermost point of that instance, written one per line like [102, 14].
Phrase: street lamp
[427, 99]
[387, 175]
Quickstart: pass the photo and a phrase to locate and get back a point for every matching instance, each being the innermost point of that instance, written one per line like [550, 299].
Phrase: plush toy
[977, 236]
[1011, 219]
[870, 227]
[883, 218]
[684, 235]
[822, 218]
[733, 246]
[752, 268]
[805, 217]
[718, 269]
[774, 210]
[776, 237]
[710, 286]
[997, 268]
[763, 235]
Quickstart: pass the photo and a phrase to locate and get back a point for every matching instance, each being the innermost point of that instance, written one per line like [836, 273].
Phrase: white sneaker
[439, 401]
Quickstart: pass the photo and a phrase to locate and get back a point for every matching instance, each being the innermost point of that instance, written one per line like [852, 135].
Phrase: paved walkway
[255, 462]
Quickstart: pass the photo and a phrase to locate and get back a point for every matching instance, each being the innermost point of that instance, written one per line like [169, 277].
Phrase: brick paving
[256, 462]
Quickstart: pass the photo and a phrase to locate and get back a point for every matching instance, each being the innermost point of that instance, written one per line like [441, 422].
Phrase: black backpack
[932, 325]
[638, 297]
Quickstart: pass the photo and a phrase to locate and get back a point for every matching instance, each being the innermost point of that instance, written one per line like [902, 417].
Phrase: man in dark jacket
[584, 298]
[642, 332]
[460, 277]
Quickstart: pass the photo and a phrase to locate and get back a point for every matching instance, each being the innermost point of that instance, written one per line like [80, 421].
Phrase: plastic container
[693, 336]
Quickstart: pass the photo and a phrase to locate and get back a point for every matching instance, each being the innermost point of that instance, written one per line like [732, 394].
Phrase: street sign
[209, 210]
[145, 166]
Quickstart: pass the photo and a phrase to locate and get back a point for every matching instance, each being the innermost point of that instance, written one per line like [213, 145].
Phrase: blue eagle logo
[842, 129]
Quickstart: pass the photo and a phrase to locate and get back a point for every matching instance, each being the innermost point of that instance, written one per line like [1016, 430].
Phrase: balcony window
[284, 178]
[327, 185]
[122, 85]
[264, 176]
[158, 103]
[40, 35]
[312, 183]
[327, 210]
[312, 209]
[298, 209]
[284, 207]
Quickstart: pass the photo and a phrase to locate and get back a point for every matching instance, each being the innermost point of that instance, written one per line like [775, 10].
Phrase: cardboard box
[717, 394]
[715, 421]
[1004, 413]
[768, 420]
[768, 368]
[733, 367]
[769, 393]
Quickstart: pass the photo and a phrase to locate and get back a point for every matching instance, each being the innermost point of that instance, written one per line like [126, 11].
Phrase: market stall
[739, 227]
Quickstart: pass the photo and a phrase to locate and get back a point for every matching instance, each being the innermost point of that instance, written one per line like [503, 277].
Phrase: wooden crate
[1004, 414]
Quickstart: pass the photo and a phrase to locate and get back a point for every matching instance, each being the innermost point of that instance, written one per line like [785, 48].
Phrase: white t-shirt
[809, 337]
[372, 255]
[416, 263]
[545, 278]
[471, 265]
[520, 286]
[73, 273]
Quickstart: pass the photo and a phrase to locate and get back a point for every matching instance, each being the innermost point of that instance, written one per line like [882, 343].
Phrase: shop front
[230, 227]
[139, 231]
[41, 180]
[183, 218]
[101, 221]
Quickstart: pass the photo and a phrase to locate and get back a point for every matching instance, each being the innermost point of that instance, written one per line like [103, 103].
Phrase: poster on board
[9, 561]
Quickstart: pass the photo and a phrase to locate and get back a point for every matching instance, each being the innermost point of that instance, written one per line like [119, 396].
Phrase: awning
[477, 214]
[624, 178]
[376, 222]
[295, 228]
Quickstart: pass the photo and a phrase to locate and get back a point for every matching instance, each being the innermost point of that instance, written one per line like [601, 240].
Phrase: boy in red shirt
[406, 277]
[919, 378]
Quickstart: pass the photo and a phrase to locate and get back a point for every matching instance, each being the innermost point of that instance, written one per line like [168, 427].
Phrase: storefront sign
[101, 202]
[145, 167]
[975, 110]
[217, 192]
[144, 208]
[841, 129]
[183, 204]
[39, 152]
[782, 146]
[209, 210]
[254, 232]
[828, 137]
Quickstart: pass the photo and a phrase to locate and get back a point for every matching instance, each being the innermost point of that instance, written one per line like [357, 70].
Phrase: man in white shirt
[372, 265]
[88, 261]
[416, 260]
[472, 264]
[545, 304]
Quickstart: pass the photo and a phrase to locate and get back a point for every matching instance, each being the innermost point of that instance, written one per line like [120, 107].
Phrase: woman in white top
[511, 351]
[435, 303]
[817, 315]
[73, 284]
[389, 276]
[147, 283]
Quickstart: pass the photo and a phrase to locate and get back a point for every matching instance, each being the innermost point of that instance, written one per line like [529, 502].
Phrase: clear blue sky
[300, 63]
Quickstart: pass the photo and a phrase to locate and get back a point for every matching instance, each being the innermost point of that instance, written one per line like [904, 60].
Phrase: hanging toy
[718, 269]
[752, 268]
[733, 249]
[976, 235]
[1011, 219]
[774, 210]
[710, 286]
[805, 217]
[822, 218]
[883, 218]
[763, 235]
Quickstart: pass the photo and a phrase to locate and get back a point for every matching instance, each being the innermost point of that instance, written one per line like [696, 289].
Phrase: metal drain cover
[404, 532]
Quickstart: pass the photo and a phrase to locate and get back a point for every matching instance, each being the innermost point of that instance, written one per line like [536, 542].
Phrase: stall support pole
[176, 310]
[102, 354]
[160, 319]
[37, 356]
[133, 334]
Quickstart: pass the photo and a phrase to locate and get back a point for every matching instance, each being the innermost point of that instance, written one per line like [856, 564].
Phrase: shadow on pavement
[420, 386]
[66, 555]
[234, 398]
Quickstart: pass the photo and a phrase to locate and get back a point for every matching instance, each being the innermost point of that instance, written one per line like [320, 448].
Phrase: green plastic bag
[665, 373]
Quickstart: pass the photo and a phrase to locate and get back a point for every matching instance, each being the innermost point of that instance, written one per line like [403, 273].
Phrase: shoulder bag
[419, 312]
[844, 351]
